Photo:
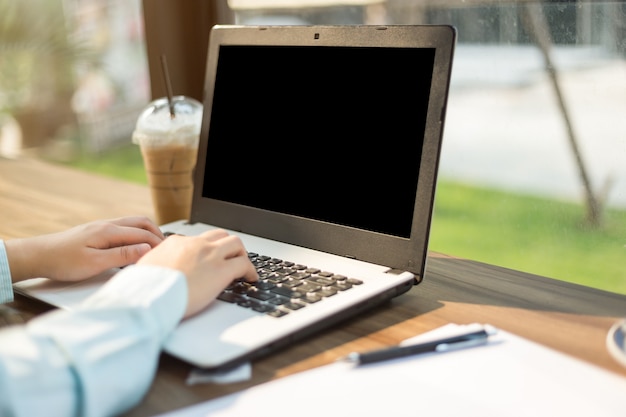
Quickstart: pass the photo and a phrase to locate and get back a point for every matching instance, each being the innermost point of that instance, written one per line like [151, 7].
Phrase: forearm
[98, 360]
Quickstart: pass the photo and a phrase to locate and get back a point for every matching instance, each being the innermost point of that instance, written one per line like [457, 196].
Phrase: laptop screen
[323, 132]
[325, 137]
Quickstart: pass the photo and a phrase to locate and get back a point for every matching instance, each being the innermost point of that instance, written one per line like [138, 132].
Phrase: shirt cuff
[6, 285]
[160, 290]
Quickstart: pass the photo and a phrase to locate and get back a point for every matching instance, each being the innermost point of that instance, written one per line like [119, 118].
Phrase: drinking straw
[168, 85]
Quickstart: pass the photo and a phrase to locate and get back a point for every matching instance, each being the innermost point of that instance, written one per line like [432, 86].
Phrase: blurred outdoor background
[533, 167]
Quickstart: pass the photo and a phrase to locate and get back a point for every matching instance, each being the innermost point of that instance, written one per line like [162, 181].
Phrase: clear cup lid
[156, 126]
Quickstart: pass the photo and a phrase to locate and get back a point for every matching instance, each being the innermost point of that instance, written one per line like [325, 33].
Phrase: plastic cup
[169, 147]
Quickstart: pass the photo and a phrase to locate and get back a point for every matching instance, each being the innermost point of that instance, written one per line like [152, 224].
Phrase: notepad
[510, 376]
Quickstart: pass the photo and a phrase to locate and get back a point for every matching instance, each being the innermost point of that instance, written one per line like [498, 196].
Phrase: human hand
[82, 251]
[210, 261]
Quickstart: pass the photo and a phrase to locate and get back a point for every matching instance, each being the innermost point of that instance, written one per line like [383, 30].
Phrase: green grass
[530, 234]
[124, 162]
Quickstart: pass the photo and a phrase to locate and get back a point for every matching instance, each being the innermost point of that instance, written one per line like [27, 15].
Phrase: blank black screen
[329, 133]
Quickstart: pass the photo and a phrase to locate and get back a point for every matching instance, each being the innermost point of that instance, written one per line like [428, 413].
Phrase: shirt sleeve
[6, 287]
[99, 359]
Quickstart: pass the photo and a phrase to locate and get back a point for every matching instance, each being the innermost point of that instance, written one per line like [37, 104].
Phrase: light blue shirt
[97, 360]
[6, 288]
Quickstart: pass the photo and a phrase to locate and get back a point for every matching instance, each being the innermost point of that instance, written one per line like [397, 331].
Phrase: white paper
[510, 376]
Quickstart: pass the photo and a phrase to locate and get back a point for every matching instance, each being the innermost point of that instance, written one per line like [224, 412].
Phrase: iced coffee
[167, 133]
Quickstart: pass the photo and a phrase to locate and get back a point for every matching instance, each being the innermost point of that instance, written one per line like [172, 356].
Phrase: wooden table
[37, 197]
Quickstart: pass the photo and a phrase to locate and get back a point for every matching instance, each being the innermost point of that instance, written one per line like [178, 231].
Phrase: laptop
[319, 148]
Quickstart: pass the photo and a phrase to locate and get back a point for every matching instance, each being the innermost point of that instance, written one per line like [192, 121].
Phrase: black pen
[447, 344]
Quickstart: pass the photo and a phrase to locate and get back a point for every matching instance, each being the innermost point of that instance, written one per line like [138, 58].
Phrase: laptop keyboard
[284, 287]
